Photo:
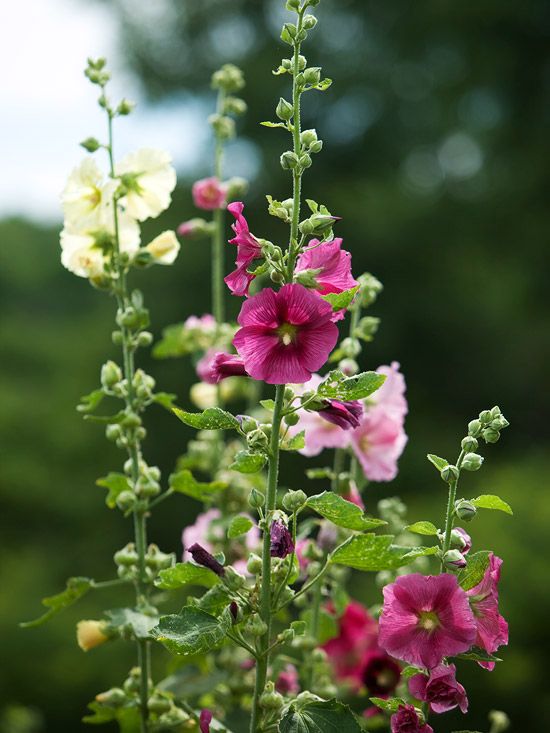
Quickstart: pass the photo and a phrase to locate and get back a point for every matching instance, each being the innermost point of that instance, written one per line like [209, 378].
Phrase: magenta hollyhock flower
[286, 335]
[378, 443]
[281, 540]
[426, 618]
[344, 414]
[358, 634]
[406, 720]
[492, 628]
[205, 718]
[209, 194]
[287, 682]
[391, 395]
[441, 689]
[217, 365]
[333, 264]
[380, 674]
[248, 250]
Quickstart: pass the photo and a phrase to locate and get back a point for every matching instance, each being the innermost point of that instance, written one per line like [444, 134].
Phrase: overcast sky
[48, 106]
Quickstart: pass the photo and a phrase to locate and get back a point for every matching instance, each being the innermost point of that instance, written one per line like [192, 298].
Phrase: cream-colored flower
[86, 197]
[150, 179]
[164, 248]
[81, 256]
[90, 634]
[204, 395]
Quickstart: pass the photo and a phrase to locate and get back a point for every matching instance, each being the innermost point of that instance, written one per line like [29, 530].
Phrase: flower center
[287, 333]
[428, 620]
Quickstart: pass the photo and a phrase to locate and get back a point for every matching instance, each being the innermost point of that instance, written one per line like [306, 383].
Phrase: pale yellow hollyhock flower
[164, 248]
[90, 634]
[204, 395]
[86, 196]
[150, 180]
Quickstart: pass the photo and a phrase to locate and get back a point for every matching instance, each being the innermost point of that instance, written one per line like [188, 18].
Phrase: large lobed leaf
[76, 588]
[214, 418]
[319, 716]
[341, 512]
[339, 387]
[192, 631]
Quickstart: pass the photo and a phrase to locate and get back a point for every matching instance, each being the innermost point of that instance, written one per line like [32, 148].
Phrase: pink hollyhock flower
[205, 718]
[285, 336]
[426, 618]
[358, 633]
[440, 689]
[354, 496]
[406, 720]
[334, 266]
[217, 365]
[209, 194]
[192, 228]
[378, 442]
[301, 546]
[391, 395]
[205, 323]
[248, 250]
[288, 682]
[464, 539]
[492, 628]
[380, 673]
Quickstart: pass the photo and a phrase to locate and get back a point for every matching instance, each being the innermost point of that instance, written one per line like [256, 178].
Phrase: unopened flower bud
[294, 500]
[256, 499]
[202, 557]
[254, 564]
[305, 160]
[284, 110]
[313, 74]
[307, 137]
[233, 579]
[490, 436]
[234, 611]
[449, 473]
[223, 126]
[289, 160]
[500, 722]
[256, 626]
[114, 698]
[257, 440]
[289, 393]
[111, 374]
[292, 418]
[309, 22]
[472, 462]
[465, 510]
[126, 500]
[293, 5]
[125, 107]
[236, 187]
[351, 346]
[158, 704]
[469, 444]
[349, 367]
[461, 540]
[276, 276]
[126, 556]
[90, 144]
[229, 78]
[113, 432]
[248, 424]
[454, 560]
[234, 106]
[90, 634]
[485, 417]
[270, 699]
[498, 423]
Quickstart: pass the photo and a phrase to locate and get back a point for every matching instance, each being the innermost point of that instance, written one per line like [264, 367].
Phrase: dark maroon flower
[204, 558]
[205, 719]
[281, 540]
[234, 610]
[381, 673]
[406, 720]
[440, 689]
[344, 414]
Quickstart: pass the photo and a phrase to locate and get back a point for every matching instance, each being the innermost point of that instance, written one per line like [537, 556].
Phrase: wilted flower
[149, 180]
[202, 557]
[209, 194]
[281, 540]
[441, 689]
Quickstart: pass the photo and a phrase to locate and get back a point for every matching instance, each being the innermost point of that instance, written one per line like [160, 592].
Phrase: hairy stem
[449, 518]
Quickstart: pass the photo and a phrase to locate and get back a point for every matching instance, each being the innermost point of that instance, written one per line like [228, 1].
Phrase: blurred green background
[436, 156]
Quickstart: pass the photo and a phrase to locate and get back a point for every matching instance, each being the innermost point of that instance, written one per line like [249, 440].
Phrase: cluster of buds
[127, 561]
[227, 80]
[488, 425]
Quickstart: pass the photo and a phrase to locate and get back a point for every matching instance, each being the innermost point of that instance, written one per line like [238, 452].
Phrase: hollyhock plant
[391, 395]
[406, 720]
[492, 628]
[426, 618]
[149, 179]
[358, 634]
[217, 365]
[285, 335]
[378, 442]
[202, 557]
[288, 682]
[345, 415]
[281, 540]
[164, 248]
[440, 690]
[248, 250]
[205, 718]
[209, 194]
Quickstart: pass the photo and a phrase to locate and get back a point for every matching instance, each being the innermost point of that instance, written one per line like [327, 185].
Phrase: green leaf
[183, 482]
[107, 419]
[89, 402]
[315, 473]
[339, 387]
[248, 462]
[192, 631]
[341, 300]
[126, 619]
[76, 588]
[185, 573]
[323, 85]
[473, 573]
[297, 442]
[327, 626]
[175, 342]
[213, 418]
[411, 670]
[491, 501]
[116, 483]
[390, 705]
[165, 399]
[438, 462]
[414, 552]
[425, 528]
[341, 512]
[370, 552]
[274, 124]
[479, 655]
[239, 526]
[322, 716]
[268, 404]
[127, 717]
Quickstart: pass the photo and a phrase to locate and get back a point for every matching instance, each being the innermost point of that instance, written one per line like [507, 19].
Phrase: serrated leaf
[390, 705]
[371, 552]
[479, 655]
[183, 482]
[492, 501]
[339, 387]
[297, 442]
[192, 631]
[274, 124]
[165, 399]
[140, 624]
[319, 716]
[414, 552]
[473, 573]
[76, 588]
[268, 404]
[424, 528]
[214, 418]
[341, 512]
[89, 402]
[247, 462]
[239, 526]
[438, 462]
[341, 300]
[116, 483]
[183, 574]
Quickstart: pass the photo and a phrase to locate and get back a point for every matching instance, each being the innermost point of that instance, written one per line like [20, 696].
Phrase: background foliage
[436, 137]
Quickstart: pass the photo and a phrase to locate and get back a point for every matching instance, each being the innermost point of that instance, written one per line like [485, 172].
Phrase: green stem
[265, 592]
[140, 512]
[449, 518]
[218, 269]
[337, 468]
[297, 172]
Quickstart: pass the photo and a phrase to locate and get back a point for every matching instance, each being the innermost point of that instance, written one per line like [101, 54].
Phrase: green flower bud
[500, 722]
[309, 22]
[465, 510]
[308, 137]
[349, 367]
[126, 500]
[113, 432]
[234, 105]
[116, 337]
[223, 126]
[158, 704]
[111, 374]
[292, 419]
[474, 428]
[256, 499]
[232, 579]
[270, 699]
[248, 424]
[276, 277]
[257, 440]
[284, 110]
[288, 33]
[229, 78]
[351, 347]
[450, 473]
[145, 338]
[256, 626]
[294, 500]
[472, 462]
[485, 417]
[454, 560]
[125, 107]
[289, 160]
[302, 62]
[293, 5]
[495, 411]
[236, 187]
[91, 144]
[490, 436]
[313, 74]
[499, 423]
[172, 719]
[305, 160]
[469, 444]
[316, 147]
[289, 393]
[113, 698]
[127, 556]
[254, 564]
